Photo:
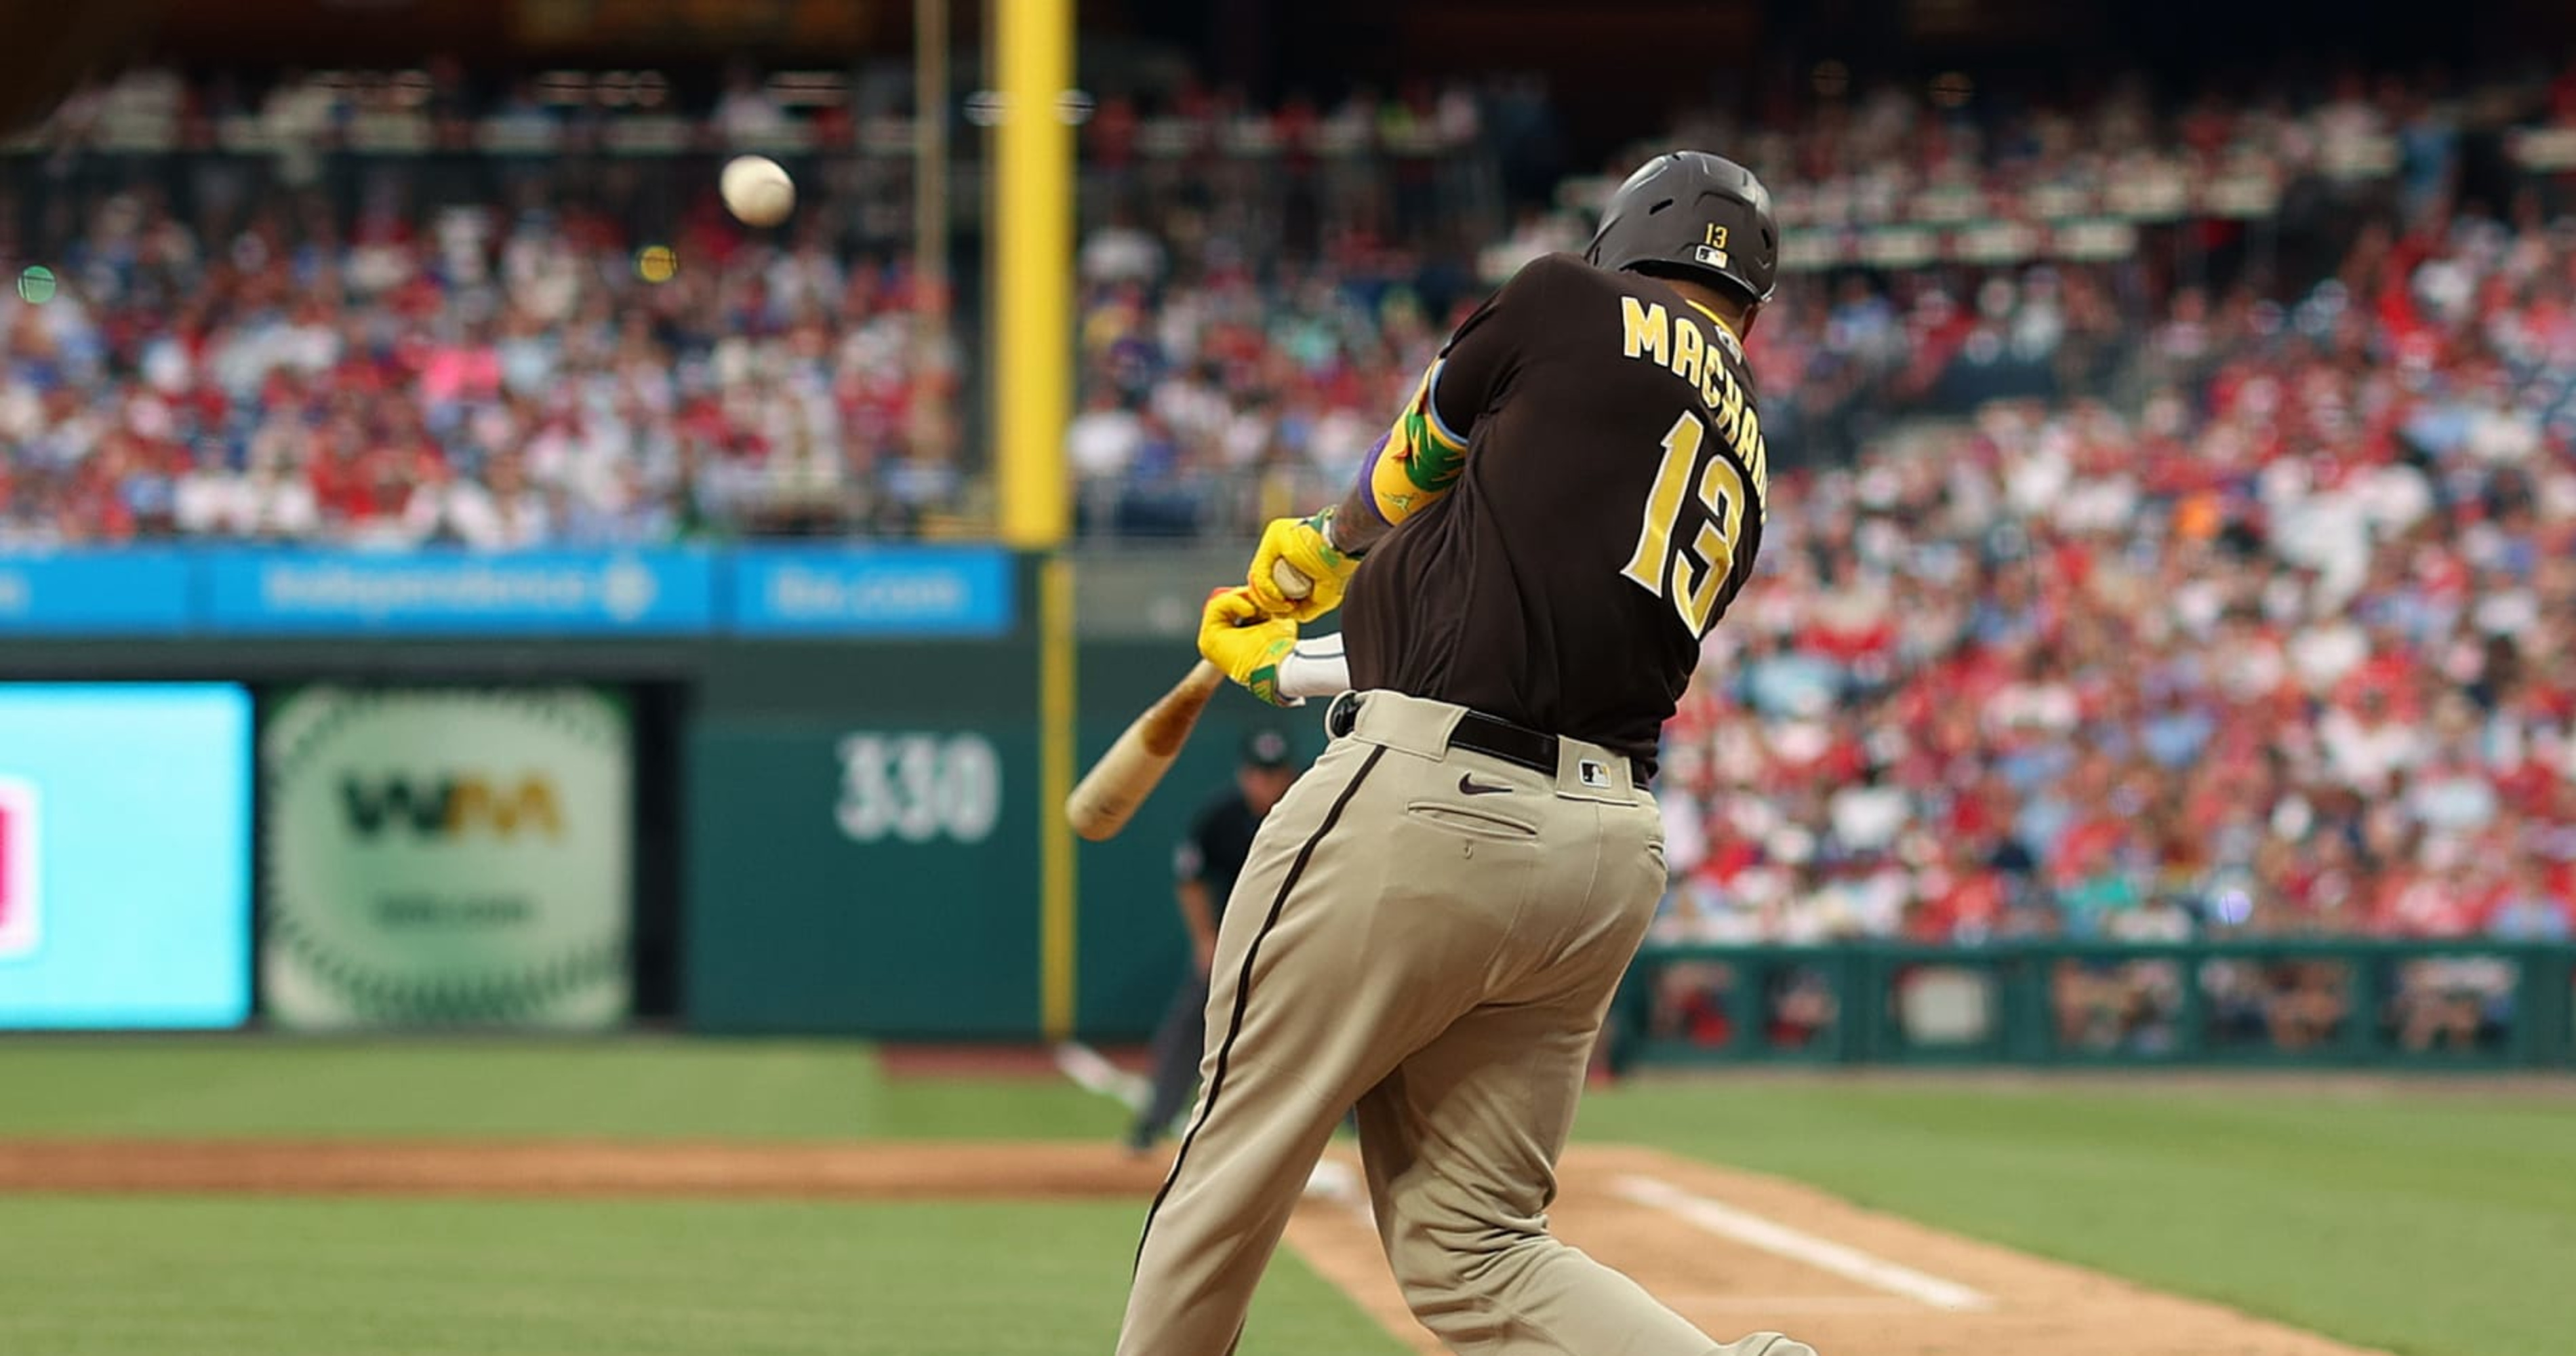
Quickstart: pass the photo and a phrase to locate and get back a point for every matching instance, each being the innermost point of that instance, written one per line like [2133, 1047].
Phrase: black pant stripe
[1243, 994]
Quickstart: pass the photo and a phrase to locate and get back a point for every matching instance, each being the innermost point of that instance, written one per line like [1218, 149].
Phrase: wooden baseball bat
[1107, 796]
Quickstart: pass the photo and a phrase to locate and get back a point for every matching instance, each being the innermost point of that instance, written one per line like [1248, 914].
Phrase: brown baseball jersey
[1577, 488]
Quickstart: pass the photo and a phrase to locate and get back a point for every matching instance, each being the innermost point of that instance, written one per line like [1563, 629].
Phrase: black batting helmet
[1692, 214]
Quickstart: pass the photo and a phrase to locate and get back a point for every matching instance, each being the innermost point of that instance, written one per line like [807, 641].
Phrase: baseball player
[1434, 919]
[1204, 870]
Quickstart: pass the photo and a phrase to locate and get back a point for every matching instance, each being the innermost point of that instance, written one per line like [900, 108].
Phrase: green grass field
[304, 1277]
[2426, 1220]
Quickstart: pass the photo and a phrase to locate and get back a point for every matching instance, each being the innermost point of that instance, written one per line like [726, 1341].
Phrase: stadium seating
[2176, 531]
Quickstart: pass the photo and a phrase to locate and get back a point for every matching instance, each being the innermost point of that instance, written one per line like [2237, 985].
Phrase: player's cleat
[1765, 1344]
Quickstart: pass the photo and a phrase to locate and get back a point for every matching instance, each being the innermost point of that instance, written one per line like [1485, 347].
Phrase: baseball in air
[757, 190]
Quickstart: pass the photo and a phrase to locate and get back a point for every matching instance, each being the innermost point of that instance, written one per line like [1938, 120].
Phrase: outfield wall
[799, 790]
[776, 790]
[2240, 1003]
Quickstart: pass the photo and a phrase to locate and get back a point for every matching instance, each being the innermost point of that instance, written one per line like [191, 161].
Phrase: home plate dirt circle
[1733, 1251]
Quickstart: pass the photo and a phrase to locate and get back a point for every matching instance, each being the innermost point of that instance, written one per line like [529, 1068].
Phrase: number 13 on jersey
[1657, 565]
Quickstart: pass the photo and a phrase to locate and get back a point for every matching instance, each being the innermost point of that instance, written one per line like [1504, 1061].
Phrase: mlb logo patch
[1594, 774]
[21, 909]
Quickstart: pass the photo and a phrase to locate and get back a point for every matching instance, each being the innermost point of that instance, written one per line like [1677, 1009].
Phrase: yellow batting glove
[1306, 546]
[1236, 636]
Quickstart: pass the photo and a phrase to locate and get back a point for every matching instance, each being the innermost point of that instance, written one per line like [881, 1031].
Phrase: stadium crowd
[481, 378]
[2288, 650]
[2098, 602]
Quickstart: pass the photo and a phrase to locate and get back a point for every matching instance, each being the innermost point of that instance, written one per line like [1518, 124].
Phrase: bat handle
[1292, 584]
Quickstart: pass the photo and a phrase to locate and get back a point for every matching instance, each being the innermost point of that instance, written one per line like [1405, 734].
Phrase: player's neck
[1717, 306]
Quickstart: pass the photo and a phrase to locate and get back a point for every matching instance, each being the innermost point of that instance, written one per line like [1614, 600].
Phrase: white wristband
[1316, 668]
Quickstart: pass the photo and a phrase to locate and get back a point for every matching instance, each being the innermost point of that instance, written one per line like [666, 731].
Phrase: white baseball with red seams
[757, 190]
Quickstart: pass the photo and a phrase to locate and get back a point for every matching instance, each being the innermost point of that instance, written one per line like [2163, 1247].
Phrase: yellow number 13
[1660, 569]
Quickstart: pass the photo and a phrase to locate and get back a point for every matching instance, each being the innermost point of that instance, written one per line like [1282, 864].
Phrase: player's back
[1608, 509]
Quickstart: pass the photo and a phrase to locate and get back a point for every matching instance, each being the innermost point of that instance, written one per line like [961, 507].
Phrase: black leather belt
[1476, 732]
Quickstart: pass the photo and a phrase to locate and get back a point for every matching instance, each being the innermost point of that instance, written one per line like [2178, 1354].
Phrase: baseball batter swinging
[1432, 922]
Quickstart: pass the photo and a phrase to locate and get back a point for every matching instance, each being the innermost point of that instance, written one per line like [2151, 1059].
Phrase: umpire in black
[1203, 868]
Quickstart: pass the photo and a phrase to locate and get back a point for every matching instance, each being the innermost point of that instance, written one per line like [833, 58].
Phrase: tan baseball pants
[1434, 935]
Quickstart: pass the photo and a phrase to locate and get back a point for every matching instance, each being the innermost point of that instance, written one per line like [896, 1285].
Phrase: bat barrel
[1110, 793]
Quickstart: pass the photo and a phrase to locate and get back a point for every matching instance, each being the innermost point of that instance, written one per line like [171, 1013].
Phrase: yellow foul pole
[1058, 948]
[1030, 380]
[1031, 232]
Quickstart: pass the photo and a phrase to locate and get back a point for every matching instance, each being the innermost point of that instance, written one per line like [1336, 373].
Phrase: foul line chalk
[1743, 1226]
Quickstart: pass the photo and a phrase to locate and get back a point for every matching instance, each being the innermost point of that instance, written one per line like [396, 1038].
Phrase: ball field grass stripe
[126, 1276]
[639, 1088]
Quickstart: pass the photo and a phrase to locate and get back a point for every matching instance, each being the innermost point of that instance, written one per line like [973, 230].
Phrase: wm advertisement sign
[452, 807]
[447, 857]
